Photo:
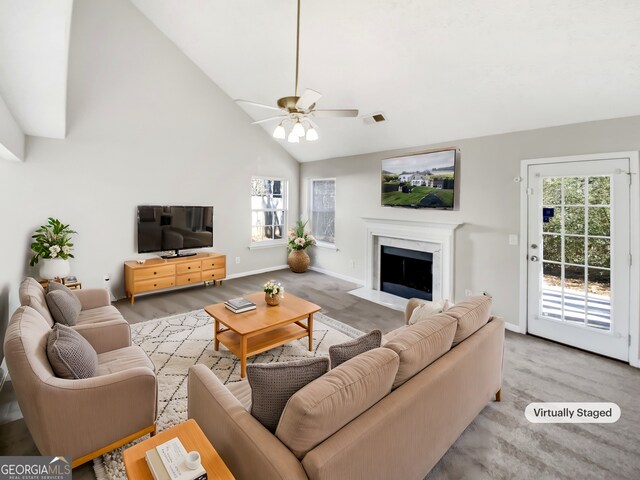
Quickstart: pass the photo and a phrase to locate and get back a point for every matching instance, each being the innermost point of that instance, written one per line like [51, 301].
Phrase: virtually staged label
[572, 412]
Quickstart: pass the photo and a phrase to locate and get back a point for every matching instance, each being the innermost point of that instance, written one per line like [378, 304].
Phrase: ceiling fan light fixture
[312, 135]
[279, 133]
[298, 129]
[293, 138]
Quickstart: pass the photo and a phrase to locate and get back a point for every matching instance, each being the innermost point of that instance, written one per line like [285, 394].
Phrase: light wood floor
[328, 292]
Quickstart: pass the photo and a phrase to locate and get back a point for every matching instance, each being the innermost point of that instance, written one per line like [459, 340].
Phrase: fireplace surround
[432, 238]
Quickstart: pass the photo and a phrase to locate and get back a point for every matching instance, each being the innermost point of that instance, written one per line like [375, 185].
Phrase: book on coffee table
[239, 305]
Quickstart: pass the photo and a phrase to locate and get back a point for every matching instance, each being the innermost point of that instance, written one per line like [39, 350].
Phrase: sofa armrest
[106, 336]
[81, 416]
[247, 447]
[93, 298]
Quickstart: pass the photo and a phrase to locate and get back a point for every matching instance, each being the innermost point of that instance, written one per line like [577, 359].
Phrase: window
[268, 210]
[323, 210]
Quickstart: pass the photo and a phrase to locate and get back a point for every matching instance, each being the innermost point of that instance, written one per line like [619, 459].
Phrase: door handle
[534, 258]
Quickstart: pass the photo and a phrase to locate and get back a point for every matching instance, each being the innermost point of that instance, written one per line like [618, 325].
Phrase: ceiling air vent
[374, 118]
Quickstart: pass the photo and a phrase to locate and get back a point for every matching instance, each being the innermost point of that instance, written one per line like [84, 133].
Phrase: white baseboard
[255, 272]
[337, 275]
[513, 328]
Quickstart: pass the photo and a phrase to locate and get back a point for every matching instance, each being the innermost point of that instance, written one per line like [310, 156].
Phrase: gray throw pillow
[63, 305]
[272, 384]
[69, 353]
[346, 351]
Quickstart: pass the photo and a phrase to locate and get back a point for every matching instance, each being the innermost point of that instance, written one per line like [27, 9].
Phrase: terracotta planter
[299, 261]
[272, 300]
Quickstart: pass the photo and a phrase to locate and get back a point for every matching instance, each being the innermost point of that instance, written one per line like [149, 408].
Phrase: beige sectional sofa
[99, 322]
[389, 413]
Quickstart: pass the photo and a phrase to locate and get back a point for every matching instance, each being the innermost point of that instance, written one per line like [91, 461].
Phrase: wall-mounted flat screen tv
[419, 180]
[164, 228]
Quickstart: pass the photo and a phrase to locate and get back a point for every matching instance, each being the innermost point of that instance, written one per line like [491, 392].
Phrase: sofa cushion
[272, 384]
[64, 307]
[70, 355]
[98, 315]
[122, 359]
[421, 344]
[327, 404]
[471, 315]
[33, 295]
[342, 352]
[242, 391]
[426, 310]
[393, 333]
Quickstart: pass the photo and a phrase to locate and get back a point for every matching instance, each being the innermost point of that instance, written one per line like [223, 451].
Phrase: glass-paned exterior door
[579, 254]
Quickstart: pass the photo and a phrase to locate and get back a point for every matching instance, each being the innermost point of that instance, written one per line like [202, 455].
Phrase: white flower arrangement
[52, 240]
[299, 239]
[273, 289]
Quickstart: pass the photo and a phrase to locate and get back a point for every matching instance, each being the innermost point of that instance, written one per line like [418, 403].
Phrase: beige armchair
[99, 322]
[79, 418]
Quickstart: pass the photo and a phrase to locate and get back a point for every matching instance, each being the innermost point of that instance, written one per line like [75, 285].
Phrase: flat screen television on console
[164, 228]
[419, 180]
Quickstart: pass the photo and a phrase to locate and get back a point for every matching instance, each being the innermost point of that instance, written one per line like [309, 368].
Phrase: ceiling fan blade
[265, 120]
[335, 113]
[311, 122]
[308, 98]
[255, 104]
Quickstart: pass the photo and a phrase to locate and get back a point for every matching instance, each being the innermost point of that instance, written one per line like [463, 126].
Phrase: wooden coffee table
[250, 333]
[192, 438]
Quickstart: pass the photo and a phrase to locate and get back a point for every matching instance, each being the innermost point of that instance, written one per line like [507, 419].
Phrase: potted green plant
[273, 292]
[52, 244]
[299, 241]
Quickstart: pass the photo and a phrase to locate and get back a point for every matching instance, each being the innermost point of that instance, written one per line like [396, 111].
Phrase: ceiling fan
[297, 112]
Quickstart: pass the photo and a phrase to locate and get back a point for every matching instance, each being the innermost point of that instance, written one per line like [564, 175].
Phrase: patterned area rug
[175, 343]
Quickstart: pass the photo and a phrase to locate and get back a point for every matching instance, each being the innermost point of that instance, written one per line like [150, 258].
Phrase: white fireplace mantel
[439, 236]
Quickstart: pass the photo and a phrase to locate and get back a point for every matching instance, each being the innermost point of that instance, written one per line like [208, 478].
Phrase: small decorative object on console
[273, 292]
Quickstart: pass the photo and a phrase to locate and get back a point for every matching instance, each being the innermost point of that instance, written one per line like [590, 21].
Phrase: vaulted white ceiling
[34, 51]
[440, 70]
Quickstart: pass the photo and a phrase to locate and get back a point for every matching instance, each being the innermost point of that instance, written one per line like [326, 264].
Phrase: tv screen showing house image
[419, 180]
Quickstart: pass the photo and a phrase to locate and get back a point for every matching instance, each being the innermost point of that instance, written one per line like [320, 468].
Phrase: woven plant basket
[299, 261]
[272, 300]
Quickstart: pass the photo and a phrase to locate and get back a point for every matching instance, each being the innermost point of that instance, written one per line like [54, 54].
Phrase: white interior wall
[489, 202]
[145, 126]
[11, 136]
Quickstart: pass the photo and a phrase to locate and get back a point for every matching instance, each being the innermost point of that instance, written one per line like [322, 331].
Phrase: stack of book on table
[167, 461]
[239, 305]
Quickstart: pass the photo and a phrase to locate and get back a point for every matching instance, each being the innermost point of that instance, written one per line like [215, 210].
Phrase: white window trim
[267, 244]
[327, 245]
[256, 245]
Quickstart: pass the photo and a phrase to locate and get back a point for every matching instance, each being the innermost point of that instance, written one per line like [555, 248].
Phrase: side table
[71, 285]
[191, 437]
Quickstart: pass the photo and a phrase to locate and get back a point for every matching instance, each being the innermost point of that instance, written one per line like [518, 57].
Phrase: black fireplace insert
[406, 273]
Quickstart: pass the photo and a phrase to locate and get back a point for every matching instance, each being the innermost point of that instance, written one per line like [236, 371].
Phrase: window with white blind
[323, 210]
[268, 211]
